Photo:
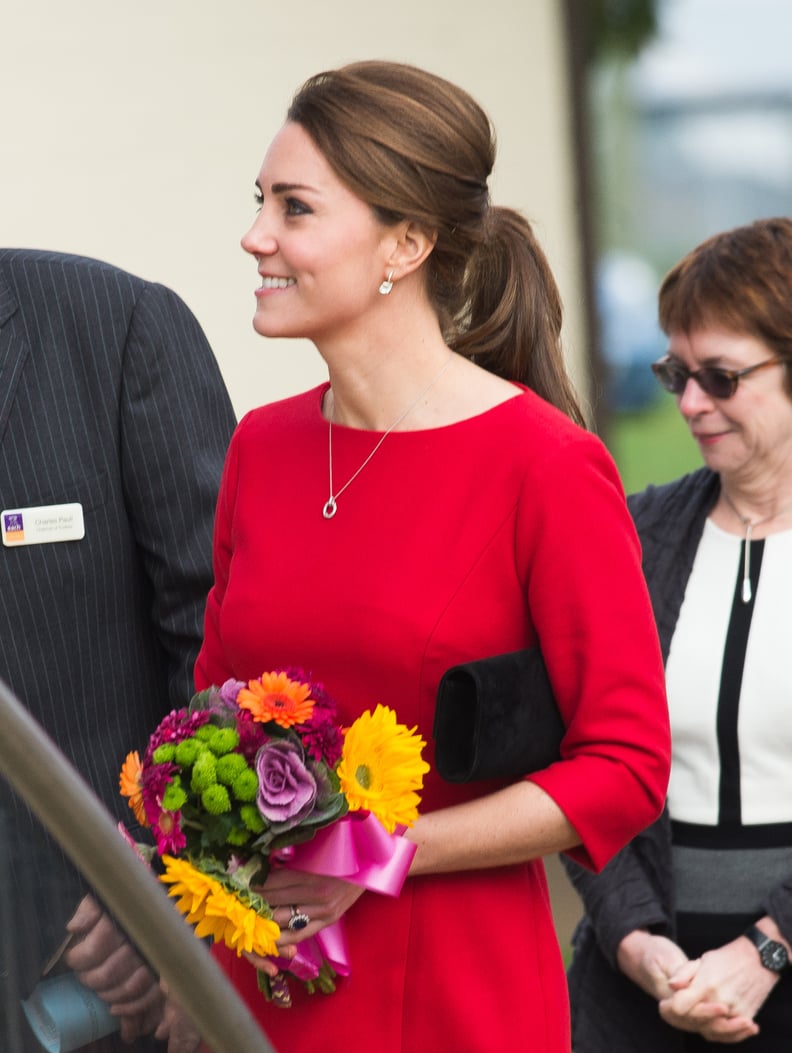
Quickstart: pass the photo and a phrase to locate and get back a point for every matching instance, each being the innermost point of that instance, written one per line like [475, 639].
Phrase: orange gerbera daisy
[276, 697]
[129, 784]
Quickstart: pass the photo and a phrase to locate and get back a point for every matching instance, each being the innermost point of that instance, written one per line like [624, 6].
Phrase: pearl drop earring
[387, 285]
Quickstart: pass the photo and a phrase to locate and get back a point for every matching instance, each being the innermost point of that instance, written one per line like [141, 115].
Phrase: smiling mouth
[708, 437]
[277, 283]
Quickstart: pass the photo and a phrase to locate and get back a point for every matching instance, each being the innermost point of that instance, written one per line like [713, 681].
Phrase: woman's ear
[410, 246]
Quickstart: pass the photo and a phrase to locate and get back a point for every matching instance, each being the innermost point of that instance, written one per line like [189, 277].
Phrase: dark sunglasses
[716, 382]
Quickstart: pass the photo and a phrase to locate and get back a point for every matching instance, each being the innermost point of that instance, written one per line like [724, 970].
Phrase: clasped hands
[104, 960]
[717, 995]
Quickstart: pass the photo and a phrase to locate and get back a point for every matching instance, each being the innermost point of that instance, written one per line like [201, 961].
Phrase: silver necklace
[748, 527]
[330, 506]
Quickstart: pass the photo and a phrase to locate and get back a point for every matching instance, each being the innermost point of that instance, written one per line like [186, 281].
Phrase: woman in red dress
[437, 501]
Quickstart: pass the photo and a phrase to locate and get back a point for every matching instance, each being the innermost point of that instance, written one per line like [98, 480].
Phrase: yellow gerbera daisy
[240, 927]
[274, 696]
[218, 913]
[129, 784]
[192, 886]
[381, 768]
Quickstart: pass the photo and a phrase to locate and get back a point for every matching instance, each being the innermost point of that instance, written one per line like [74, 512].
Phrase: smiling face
[750, 433]
[321, 252]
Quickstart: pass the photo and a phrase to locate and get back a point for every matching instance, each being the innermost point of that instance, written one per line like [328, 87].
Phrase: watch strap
[772, 954]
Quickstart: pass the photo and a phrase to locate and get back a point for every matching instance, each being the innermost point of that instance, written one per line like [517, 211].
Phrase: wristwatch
[772, 954]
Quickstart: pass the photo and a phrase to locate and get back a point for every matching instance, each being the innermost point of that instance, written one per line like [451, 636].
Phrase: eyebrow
[285, 188]
[708, 362]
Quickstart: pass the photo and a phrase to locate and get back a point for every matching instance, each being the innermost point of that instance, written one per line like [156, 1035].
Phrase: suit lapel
[14, 349]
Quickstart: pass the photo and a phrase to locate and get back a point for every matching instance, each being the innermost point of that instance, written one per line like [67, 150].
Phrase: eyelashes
[295, 207]
[292, 206]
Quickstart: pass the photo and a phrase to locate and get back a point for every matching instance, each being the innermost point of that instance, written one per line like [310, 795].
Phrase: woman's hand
[104, 960]
[650, 961]
[721, 994]
[323, 900]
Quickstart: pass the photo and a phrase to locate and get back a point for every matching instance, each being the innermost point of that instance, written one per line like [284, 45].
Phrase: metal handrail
[74, 816]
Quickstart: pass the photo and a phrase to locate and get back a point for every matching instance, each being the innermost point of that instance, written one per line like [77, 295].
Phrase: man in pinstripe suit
[114, 422]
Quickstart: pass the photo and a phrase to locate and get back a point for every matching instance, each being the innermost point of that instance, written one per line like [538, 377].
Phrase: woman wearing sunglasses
[687, 938]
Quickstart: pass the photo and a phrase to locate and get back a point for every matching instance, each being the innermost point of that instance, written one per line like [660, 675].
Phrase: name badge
[42, 525]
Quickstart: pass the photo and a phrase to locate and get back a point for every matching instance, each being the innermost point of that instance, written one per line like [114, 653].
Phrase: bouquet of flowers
[257, 774]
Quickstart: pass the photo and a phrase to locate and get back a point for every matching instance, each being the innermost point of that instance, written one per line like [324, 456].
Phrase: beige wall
[134, 131]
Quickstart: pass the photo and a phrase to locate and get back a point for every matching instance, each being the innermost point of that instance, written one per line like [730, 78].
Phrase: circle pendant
[330, 508]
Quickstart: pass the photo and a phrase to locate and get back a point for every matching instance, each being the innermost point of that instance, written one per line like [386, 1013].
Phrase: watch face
[774, 956]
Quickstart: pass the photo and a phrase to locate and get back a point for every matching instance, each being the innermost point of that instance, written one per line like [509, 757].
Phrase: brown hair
[414, 146]
[739, 280]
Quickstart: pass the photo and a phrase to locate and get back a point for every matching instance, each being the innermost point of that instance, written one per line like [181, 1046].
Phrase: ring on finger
[298, 919]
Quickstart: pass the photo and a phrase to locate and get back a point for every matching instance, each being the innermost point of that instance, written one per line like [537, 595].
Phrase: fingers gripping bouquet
[260, 774]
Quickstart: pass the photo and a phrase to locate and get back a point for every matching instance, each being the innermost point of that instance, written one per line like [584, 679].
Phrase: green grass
[653, 446]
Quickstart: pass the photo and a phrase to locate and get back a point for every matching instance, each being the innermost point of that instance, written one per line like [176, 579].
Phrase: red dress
[453, 543]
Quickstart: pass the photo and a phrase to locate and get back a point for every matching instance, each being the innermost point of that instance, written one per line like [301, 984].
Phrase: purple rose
[287, 789]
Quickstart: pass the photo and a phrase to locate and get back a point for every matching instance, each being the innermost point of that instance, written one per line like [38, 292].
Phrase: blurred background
[689, 105]
[628, 130]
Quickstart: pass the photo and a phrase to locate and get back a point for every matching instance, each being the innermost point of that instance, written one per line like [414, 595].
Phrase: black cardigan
[609, 1012]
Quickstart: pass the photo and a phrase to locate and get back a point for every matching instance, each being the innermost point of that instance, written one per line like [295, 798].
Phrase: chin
[266, 327]
[719, 462]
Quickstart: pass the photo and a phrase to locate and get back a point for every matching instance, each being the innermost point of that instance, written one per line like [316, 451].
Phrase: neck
[753, 514]
[375, 396]
[379, 362]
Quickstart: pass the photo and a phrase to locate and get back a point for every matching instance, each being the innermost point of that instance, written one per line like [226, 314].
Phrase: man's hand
[104, 960]
[176, 1027]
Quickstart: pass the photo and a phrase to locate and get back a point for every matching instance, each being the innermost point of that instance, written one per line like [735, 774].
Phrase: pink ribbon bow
[357, 849]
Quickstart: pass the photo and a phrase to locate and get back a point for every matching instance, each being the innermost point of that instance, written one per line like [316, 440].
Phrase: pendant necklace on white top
[331, 504]
[748, 526]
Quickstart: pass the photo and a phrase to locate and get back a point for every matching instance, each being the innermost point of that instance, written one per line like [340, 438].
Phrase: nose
[258, 240]
[693, 400]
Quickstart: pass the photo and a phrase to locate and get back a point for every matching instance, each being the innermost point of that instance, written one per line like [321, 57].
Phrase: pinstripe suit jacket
[110, 396]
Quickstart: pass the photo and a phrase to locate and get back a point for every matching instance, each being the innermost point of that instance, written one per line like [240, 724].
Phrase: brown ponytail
[513, 316]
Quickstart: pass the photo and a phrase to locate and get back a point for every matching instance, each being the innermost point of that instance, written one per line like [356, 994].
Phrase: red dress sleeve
[591, 608]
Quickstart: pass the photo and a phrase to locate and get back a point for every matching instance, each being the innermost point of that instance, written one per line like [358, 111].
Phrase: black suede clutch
[496, 718]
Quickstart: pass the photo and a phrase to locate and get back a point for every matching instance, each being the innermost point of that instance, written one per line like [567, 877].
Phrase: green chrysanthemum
[222, 740]
[245, 786]
[164, 754]
[174, 798]
[204, 773]
[216, 800]
[188, 751]
[229, 767]
[252, 818]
